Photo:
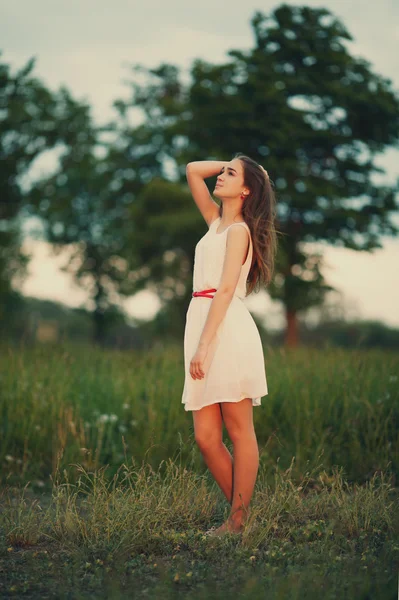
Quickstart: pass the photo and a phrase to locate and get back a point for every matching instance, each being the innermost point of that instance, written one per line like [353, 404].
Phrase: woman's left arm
[236, 251]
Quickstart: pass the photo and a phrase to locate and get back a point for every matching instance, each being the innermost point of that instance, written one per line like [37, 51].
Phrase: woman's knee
[208, 426]
[206, 439]
[237, 433]
[238, 419]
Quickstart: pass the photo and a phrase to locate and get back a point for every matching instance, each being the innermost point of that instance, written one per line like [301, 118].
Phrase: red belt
[204, 293]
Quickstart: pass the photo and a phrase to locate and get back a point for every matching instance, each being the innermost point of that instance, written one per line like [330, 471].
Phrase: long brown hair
[259, 212]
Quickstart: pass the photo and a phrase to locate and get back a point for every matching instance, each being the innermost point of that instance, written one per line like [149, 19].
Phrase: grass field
[105, 494]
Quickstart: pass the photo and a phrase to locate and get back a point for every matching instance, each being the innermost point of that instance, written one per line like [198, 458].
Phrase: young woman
[224, 363]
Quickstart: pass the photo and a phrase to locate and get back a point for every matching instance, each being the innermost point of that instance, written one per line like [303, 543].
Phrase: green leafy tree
[84, 206]
[312, 114]
[162, 244]
[28, 128]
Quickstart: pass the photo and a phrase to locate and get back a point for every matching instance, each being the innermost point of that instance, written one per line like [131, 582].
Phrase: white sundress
[234, 367]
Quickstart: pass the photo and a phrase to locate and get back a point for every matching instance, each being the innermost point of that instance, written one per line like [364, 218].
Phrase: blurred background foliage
[297, 102]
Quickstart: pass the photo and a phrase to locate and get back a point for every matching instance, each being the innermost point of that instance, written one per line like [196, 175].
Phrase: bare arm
[237, 245]
[196, 172]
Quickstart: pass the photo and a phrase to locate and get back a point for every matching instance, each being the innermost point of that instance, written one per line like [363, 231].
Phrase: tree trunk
[291, 337]
[98, 316]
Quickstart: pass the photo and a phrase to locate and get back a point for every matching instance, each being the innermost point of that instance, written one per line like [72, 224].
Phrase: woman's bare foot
[226, 527]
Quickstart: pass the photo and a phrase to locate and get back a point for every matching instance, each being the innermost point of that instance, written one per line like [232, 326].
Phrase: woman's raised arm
[196, 172]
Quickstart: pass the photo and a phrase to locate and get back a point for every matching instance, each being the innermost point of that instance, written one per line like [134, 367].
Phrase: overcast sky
[88, 47]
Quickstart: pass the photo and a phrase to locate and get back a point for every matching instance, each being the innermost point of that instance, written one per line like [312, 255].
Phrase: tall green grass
[140, 534]
[88, 404]
[104, 491]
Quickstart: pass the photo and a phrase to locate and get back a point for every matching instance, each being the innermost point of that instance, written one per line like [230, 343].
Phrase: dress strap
[213, 225]
[217, 221]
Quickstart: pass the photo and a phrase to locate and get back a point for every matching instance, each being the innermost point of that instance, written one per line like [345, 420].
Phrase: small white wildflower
[103, 419]
[122, 428]
[126, 406]
[113, 418]
[133, 423]
[9, 457]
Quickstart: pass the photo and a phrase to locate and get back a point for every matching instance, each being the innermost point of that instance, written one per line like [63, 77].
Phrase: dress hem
[255, 402]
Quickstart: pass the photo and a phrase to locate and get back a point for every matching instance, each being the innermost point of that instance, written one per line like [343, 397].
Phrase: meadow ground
[104, 492]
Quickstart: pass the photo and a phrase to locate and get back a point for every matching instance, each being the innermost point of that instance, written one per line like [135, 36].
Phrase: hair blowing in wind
[259, 212]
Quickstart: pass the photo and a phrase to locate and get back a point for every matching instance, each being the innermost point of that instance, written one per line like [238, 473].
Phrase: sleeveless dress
[234, 367]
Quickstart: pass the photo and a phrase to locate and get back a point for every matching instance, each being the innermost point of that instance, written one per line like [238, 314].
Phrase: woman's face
[230, 181]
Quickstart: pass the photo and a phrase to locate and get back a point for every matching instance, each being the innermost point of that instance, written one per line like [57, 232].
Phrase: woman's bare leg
[208, 430]
[238, 418]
